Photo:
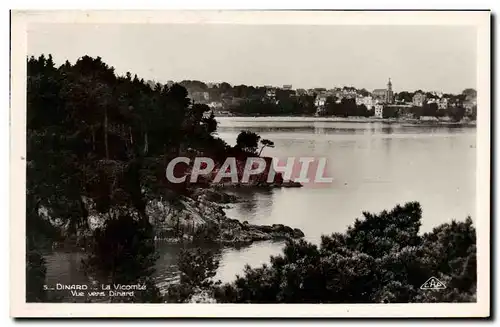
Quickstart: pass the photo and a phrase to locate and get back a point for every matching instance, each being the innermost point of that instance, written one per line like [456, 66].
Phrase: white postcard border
[19, 24]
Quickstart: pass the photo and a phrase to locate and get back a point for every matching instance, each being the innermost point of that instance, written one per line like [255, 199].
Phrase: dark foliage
[345, 108]
[390, 112]
[283, 105]
[197, 268]
[248, 141]
[380, 259]
[123, 252]
[92, 134]
[35, 276]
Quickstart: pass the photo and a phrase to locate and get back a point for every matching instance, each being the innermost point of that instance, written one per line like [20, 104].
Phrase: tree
[306, 104]
[417, 111]
[333, 108]
[349, 105]
[390, 112]
[35, 277]
[364, 92]
[247, 141]
[100, 141]
[473, 113]
[430, 109]
[197, 269]
[362, 111]
[404, 96]
[225, 88]
[456, 113]
[345, 108]
[470, 93]
[124, 253]
[266, 142]
[380, 259]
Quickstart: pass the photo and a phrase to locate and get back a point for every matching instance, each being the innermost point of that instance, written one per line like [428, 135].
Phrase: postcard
[250, 164]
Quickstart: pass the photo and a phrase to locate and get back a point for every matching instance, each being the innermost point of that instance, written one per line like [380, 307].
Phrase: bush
[380, 259]
[123, 252]
[197, 269]
[35, 277]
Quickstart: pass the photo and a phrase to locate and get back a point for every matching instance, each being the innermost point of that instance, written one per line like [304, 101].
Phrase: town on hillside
[241, 100]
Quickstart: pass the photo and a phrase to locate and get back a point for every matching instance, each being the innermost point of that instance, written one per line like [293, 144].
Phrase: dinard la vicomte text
[98, 290]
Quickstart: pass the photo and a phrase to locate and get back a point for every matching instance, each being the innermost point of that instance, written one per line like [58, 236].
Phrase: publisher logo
[433, 284]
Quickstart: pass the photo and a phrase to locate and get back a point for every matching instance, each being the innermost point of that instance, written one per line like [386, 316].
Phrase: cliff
[197, 218]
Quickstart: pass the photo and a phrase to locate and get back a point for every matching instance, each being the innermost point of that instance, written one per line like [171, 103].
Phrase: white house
[320, 101]
[216, 105]
[443, 103]
[367, 101]
[379, 110]
[271, 93]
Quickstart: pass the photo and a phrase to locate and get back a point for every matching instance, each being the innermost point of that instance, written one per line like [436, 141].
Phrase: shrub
[380, 259]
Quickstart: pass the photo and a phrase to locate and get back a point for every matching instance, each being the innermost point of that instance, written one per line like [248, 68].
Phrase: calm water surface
[374, 166]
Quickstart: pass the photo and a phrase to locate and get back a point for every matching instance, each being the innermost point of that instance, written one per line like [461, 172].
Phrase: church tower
[389, 98]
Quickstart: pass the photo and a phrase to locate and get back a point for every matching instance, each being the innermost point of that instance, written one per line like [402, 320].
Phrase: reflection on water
[64, 266]
[250, 203]
[374, 166]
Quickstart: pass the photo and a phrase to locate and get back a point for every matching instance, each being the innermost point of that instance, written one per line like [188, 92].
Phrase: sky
[431, 58]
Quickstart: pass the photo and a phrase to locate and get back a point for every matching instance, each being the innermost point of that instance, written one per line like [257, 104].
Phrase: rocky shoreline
[203, 219]
[199, 217]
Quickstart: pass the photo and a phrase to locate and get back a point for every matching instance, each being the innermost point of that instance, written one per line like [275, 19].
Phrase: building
[301, 92]
[379, 111]
[366, 101]
[320, 101]
[330, 93]
[390, 93]
[469, 106]
[271, 93]
[216, 105]
[379, 94]
[470, 103]
[349, 92]
[443, 103]
[437, 94]
[151, 84]
[405, 111]
[202, 97]
[418, 99]
[384, 95]
[319, 91]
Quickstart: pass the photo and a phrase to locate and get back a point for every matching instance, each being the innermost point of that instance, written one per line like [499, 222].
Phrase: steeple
[389, 96]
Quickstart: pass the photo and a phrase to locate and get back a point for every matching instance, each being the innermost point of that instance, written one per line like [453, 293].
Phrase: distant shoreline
[410, 122]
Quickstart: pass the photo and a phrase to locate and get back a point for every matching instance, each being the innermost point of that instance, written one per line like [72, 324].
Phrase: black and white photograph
[326, 159]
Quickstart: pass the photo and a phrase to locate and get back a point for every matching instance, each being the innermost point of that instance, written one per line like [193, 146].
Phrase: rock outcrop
[200, 217]
[214, 195]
